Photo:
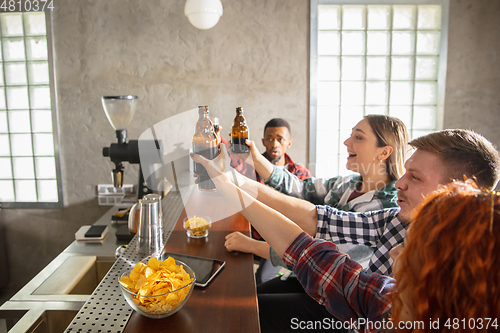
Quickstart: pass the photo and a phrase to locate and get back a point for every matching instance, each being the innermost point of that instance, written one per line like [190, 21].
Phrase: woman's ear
[385, 153]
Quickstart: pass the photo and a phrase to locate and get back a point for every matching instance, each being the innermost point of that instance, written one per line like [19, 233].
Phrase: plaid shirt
[380, 229]
[335, 192]
[339, 283]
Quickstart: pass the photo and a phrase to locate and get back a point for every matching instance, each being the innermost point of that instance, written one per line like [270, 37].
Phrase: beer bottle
[205, 144]
[239, 133]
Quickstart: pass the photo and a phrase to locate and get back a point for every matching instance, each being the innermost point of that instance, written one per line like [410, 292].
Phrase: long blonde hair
[391, 131]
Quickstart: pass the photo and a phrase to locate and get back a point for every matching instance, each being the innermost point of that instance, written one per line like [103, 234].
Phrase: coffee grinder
[120, 111]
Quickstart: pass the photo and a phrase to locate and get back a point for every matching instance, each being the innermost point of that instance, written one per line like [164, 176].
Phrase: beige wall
[473, 79]
[255, 57]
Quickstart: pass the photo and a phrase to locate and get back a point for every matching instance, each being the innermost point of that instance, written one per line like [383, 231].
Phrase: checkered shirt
[339, 283]
[379, 229]
[330, 192]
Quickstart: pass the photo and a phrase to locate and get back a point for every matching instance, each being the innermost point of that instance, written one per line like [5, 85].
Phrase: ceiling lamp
[203, 14]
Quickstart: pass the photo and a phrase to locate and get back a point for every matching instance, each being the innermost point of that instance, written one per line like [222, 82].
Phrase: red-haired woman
[447, 274]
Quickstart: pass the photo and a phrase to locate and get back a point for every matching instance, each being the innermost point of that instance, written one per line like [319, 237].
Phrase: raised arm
[358, 294]
[261, 164]
[311, 189]
[277, 229]
[302, 212]
[314, 190]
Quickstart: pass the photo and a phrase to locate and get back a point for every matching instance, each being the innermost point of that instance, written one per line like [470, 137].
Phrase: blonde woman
[377, 151]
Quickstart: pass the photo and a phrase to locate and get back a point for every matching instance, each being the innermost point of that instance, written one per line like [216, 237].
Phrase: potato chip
[162, 278]
[154, 264]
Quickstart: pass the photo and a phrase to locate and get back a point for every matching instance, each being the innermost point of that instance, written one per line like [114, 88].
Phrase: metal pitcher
[150, 228]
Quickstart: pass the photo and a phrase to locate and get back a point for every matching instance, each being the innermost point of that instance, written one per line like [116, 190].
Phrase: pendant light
[203, 14]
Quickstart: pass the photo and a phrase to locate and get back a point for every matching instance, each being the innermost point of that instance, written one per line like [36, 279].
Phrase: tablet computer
[204, 268]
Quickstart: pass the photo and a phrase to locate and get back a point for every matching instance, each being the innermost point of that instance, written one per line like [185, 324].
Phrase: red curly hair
[450, 267]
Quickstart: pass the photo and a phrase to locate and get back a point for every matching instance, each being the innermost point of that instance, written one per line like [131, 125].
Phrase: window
[29, 163]
[373, 57]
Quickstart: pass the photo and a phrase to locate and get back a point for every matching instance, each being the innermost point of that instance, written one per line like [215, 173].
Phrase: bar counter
[229, 302]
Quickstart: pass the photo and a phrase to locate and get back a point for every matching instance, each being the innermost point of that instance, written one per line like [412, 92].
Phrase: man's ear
[263, 142]
[385, 153]
[289, 143]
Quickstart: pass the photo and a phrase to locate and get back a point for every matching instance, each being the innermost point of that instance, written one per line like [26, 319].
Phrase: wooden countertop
[229, 302]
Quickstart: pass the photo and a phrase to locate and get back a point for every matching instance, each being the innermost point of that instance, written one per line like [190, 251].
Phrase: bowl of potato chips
[156, 288]
[197, 226]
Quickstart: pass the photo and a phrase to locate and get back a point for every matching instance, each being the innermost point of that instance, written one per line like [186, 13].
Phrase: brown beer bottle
[205, 144]
[239, 133]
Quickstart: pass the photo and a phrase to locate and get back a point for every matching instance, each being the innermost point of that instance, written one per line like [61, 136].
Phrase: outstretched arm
[311, 189]
[302, 212]
[314, 261]
[278, 230]
[281, 180]
[261, 164]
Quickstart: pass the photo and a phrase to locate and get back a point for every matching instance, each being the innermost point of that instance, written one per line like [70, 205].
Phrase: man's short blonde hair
[463, 153]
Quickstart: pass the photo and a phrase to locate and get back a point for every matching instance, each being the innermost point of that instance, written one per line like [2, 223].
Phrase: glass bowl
[200, 230]
[162, 305]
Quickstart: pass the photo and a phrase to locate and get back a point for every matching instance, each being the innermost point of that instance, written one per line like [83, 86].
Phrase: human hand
[227, 180]
[217, 133]
[261, 164]
[237, 241]
[250, 156]
[217, 168]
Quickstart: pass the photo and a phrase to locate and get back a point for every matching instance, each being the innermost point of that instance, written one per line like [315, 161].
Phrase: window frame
[55, 124]
[313, 83]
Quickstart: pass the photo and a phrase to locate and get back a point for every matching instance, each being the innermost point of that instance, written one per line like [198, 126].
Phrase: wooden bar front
[229, 302]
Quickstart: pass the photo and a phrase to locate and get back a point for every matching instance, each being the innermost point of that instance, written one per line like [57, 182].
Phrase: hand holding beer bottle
[205, 143]
[239, 133]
